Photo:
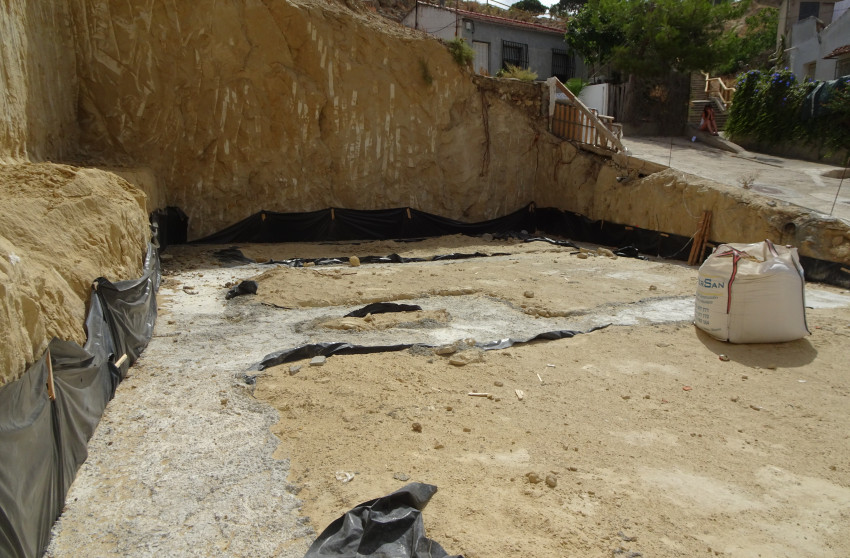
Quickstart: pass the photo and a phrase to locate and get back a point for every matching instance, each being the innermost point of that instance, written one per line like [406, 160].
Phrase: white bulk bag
[752, 293]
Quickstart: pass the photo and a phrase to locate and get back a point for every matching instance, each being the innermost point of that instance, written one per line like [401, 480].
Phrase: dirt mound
[61, 228]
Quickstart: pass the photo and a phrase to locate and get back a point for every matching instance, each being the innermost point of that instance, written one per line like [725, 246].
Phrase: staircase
[707, 90]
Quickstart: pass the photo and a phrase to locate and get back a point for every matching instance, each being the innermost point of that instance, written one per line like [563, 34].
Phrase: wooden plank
[51, 390]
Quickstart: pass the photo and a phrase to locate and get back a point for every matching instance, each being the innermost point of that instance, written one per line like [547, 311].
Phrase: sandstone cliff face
[672, 201]
[61, 227]
[38, 98]
[246, 105]
[227, 108]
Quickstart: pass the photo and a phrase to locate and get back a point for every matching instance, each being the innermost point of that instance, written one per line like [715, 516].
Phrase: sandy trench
[641, 438]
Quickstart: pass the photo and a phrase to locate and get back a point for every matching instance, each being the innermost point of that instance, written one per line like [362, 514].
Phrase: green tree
[565, 8]
[531, 6]
[751, 48]
[654, 38]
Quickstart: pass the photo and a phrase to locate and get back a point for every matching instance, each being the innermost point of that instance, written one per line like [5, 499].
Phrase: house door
[481, 62]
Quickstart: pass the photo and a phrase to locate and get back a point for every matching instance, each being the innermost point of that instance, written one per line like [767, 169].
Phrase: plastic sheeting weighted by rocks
[43, 442]
[387, 527]
[382, 308]
[330, 349]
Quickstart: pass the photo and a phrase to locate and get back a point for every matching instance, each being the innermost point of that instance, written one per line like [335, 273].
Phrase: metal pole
[839, 190]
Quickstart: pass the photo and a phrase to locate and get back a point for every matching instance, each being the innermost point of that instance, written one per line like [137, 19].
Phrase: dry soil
[634, 439]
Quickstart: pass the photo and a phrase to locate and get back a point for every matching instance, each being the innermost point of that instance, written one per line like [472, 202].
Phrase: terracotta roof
[499, 20]
[838, 52]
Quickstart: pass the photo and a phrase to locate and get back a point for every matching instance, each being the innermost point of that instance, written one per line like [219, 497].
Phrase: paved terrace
[803, 183]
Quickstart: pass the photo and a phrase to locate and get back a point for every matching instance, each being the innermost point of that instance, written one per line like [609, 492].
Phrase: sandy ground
[632, 440]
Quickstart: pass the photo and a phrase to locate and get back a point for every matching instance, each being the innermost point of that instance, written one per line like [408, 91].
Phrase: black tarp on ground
[329, 349]
[390, 527]
[404, 223]
[43, 442]
[351, 224]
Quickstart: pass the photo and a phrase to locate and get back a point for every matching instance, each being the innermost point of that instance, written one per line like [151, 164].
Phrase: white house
[820, 50]
[498, 41]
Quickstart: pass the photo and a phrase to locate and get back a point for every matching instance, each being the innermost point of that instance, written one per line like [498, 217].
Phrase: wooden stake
[701, 252]
[695, 242]
[120, 361]
[51, 392]
[700, 238]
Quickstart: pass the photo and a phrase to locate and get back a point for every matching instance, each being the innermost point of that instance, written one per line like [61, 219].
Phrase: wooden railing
[717, 88]
[570, 119]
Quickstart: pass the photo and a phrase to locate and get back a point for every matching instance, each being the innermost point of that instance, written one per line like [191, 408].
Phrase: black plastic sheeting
[351, 224]
[170, 226]
[243, 288]
[43, 442]
[330, 349]
[409, 224]
[818, 103]
[390, 526]
[391, 258]
[382, 308]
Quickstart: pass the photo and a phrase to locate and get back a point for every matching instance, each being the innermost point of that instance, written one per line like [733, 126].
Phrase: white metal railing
[721, 91]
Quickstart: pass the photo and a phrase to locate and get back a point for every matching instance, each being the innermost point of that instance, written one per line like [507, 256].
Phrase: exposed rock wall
[243, 105]
[672, 201]
[230, 107]
[61, 227]
[37, 81]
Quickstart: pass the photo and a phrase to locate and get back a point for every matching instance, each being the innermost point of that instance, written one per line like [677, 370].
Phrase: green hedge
[773, 108]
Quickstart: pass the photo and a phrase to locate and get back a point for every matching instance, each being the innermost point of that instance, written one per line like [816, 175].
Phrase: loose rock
[318, 361]
[446, 350]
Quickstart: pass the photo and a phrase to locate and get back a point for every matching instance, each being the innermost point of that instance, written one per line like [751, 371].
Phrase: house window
[809, 9]
[842, 67]
[562, 64]
[515, 54]
[809, 70]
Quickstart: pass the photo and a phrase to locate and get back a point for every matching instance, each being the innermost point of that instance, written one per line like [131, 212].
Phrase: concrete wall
[805, 48]
[789, 14]
[438, 22]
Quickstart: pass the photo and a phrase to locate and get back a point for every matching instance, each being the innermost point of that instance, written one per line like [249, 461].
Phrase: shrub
[772, 108]
[515, 72]
[461, 52]
[575, 85]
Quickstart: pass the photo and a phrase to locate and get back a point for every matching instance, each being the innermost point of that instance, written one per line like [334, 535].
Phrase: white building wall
[805, 47]
[433, 20]
[839, 9]
[595, 97]
[836, 34]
